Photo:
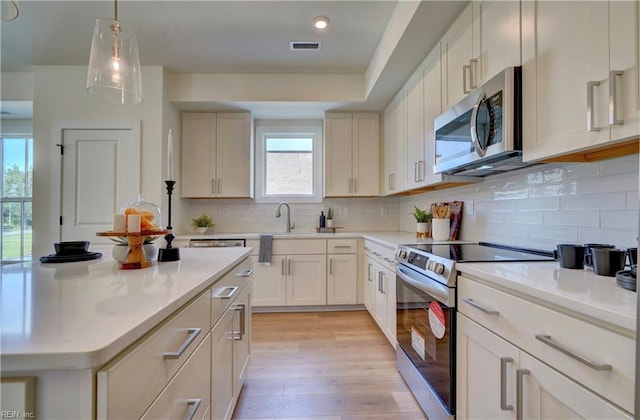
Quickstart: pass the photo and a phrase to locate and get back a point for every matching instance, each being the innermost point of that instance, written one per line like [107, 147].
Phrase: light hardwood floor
[323, 365]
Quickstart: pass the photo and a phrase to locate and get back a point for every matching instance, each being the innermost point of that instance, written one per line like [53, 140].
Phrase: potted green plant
[423, 220]
[330, 217]
[201, 223]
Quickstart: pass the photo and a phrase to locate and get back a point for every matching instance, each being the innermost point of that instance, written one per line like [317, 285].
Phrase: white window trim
[312, 128]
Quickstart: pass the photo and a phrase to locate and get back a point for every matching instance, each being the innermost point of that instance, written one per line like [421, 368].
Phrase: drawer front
[188, 394]
[148, 366]
[299, 246]
[367, 247]
[228, 288]
[557, 339]
[384, 255]
[342, 246]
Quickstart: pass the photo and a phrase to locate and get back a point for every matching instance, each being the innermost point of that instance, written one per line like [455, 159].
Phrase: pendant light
[114, 65]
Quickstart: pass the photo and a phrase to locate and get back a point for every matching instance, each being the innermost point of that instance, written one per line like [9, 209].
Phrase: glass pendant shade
[114, 65]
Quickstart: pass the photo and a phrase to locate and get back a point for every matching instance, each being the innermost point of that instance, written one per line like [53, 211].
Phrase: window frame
[288, 128]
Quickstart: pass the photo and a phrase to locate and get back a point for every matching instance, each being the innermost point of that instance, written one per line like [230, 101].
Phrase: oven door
[426, 336]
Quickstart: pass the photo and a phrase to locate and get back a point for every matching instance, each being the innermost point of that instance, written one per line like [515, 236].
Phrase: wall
[544, 205]
[59, 95]
[537, 207]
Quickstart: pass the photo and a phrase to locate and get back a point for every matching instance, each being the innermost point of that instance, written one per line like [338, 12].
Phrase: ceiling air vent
[305, 45]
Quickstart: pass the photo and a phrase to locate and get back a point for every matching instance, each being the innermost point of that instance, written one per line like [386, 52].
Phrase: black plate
[626, 280]
[53, 258]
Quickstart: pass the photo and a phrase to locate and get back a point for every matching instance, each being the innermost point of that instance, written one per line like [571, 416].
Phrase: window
[16, 192]
[289, 162]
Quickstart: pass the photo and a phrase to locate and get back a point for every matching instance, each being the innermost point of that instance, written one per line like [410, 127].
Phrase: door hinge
[61, 146]
[60, 220]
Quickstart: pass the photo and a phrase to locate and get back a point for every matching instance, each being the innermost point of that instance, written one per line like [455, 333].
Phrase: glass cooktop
[483, 252]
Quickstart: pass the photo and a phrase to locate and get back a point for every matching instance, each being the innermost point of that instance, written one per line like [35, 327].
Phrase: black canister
[323, 219]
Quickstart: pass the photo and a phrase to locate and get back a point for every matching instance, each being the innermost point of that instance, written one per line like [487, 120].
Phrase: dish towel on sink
[266, 247]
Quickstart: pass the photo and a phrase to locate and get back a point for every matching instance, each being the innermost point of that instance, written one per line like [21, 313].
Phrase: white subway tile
[618, 237]
[572, 218]
[560, 234]
[626, 164]
[553, 189]
[625, 219]
[527, 218]
[633, 200]
[539, 204]
[607, 184]
[609, 201]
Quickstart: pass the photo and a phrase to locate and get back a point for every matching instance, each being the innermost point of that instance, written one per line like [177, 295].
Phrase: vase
[201, 230]
[119, 252]
[423, 230]
[440, 228]
[329, 223]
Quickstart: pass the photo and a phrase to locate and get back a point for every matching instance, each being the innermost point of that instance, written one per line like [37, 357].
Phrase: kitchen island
[62, 323]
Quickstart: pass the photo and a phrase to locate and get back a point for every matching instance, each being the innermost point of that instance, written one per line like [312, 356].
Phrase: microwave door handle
[474, 126]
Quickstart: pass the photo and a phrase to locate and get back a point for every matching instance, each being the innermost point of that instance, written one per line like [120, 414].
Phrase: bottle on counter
[323, 219]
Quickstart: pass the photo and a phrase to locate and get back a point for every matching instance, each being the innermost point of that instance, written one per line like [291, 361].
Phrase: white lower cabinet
[518, 359]
[270, 284]
[222, 368]
[187, 396]
[380, 288]
[306, 280]
[342, 276]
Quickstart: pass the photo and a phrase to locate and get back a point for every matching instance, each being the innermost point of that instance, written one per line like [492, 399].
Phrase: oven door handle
[437, 290]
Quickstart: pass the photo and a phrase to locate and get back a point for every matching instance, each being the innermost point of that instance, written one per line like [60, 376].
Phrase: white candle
[133, 223]
[119, 223]
[170, 156]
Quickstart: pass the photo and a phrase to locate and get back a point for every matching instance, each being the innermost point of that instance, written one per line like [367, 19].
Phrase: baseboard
[319, 308]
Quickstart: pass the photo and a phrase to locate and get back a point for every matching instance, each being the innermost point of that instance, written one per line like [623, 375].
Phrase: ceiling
[232, 37]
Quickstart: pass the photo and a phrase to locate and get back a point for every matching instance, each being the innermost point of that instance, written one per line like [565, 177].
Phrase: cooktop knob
[438, 268]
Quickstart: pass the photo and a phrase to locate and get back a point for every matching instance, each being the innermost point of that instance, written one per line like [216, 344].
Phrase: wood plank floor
[323, 365]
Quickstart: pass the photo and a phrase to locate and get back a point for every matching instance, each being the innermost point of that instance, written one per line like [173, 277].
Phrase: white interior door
[100, 174]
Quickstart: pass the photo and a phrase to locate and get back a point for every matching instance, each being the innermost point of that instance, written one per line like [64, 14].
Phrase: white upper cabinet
[217, 159]
[580, 76]
[481, 42]
[351, 154]
[392, 180]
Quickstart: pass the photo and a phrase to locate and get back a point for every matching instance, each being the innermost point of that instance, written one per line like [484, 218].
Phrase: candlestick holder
[169, 253]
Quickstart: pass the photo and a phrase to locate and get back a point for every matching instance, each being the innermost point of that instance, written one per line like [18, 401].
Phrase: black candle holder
[169, 253]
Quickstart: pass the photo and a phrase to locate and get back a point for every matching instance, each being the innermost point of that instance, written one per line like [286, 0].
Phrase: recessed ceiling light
[321, 22]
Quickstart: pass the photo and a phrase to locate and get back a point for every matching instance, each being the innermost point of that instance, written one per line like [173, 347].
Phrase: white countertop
[578, 291]
[80, 315]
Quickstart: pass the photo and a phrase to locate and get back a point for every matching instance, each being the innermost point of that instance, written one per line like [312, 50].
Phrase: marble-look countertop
[578, 291]
[80, 315]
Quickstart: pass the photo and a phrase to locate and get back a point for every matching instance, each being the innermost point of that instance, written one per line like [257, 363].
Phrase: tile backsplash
[537, 207]
[544, 205]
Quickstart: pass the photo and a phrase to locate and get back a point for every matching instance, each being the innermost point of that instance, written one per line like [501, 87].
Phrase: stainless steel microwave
[482, 134]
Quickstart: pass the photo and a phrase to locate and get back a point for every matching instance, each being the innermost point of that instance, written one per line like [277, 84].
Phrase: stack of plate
[627, 278]
[71, 251]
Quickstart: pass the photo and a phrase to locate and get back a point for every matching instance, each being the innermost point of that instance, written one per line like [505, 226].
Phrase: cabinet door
[431, 83]
[457, 51]
[222, 367]
[269, 282]
[306, 280]
[390, 292]
[414, 107]
[496, 37]
[547, 394]
[624, 52]
[366, 153]
[338, 175]
[234, 160]
[188, 394]
[571, 50]
[392, 179]
[369, 285]
[485, 364]
[241, 338]
[342, 279]
[380, 299]
[198, 154]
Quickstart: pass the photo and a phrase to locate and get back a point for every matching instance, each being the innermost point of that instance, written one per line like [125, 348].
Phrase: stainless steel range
[426, 315]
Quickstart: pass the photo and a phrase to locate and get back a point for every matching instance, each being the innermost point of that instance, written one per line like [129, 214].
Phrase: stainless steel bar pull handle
[230, 292]
[330, 266]
[473, 73]
[369, 272]
[282, 268]
[382, 278]
[289, 266]
[213, 186]
[219, 182]
[613, 103]
[503, 384]
[480, 307]
[421, 168]
[465, 68]
[343, 247]
[546, 339]
[193, 405]
[520, 373]
[245, 273]
[590, 112]
[192, 334]
[237, 335]
[416, 176]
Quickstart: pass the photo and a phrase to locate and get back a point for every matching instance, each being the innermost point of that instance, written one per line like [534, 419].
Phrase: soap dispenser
[323, 219]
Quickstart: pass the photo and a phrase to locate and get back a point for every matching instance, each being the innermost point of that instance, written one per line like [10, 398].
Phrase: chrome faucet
[289, 224]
